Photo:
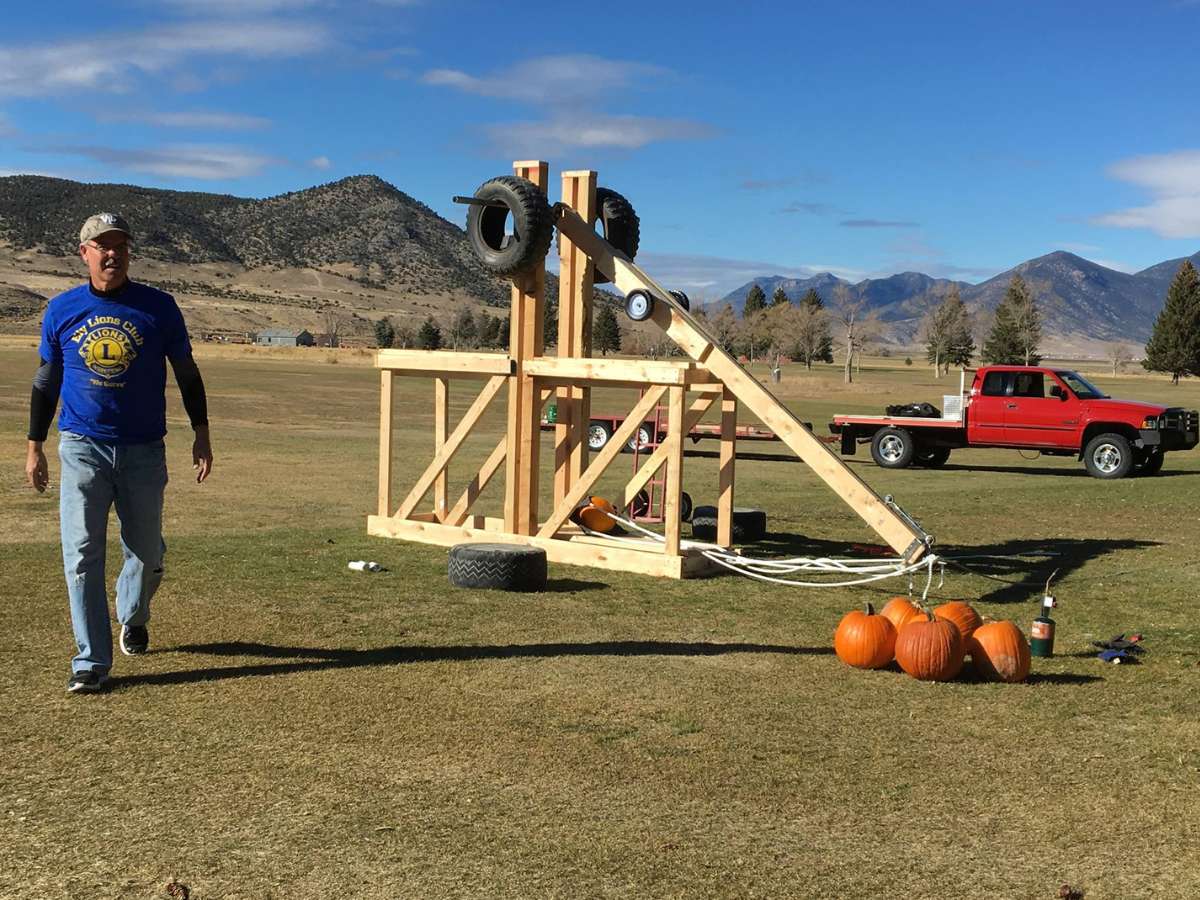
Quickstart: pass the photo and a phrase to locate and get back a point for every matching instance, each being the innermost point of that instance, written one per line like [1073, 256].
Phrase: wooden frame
[529, 378]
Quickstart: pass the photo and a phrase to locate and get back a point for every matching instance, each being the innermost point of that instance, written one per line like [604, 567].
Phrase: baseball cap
[102, 223]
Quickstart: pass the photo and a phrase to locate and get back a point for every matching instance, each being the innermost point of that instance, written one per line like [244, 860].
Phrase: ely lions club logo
[108, 352]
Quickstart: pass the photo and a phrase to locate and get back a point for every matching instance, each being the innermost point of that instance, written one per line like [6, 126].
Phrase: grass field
[303, 731]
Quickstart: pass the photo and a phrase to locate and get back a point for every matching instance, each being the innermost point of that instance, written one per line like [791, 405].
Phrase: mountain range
[365, 247]
[1082, 303]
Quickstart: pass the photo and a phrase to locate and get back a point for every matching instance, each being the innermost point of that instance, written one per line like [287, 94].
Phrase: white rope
[865, 571]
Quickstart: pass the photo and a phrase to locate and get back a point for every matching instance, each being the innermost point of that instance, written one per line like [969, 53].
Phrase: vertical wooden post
[524, 410]
[385, 442]
[441, 424]
[674, 482]
[729, 407]
[575, 281]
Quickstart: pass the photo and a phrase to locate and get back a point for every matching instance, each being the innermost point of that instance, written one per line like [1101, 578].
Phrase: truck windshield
[1083, 388]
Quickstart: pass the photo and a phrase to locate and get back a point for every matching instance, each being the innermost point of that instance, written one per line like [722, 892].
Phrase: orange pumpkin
[864, 640]
[900, 611]
[961, 614]
[999, 652]
[931, 650]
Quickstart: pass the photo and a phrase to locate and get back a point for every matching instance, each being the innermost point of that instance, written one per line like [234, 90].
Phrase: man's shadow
[306, 659]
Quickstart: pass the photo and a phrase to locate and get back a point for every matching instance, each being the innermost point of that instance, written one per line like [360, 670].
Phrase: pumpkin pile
[932, 645]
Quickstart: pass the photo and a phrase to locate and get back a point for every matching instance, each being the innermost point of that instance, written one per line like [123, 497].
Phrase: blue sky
[953, 138]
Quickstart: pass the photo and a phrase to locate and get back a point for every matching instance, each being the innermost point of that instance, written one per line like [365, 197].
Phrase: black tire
[932, 457]
[748, 524]
[682, 299]
[893, 448]
[642, 438]
[503, 567]
[1149, 462]
[532, 223]
[1108, 456]
[639, 505]
[618, 223]
[685, 506]
[599, 434]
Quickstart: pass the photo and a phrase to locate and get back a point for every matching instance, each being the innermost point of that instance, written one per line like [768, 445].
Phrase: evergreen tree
[756, 301]
[780, 297]
[385, 333]
[489, 330]
[430, 336]
[550, 323]
[1017, 331]
[606, 331]
[1174, 344]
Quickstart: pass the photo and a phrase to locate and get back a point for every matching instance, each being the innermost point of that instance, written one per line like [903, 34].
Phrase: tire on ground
[931, 457]
[532, 225]
[748, 524]
[504, 567]
[1148, 462]
[893, 448]
[618, 223]
[1108, 456]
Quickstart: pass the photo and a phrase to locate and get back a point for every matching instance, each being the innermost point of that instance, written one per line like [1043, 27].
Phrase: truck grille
[1185, 420]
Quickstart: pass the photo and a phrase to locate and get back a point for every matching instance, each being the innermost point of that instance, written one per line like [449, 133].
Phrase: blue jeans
[95, 476]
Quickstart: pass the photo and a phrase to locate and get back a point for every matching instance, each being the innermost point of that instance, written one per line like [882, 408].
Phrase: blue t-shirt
[113, 352]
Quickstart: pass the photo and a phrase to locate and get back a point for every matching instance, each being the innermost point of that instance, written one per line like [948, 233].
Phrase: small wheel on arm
[931, 457]
[893, 448]
[598, 435]
[1108, 456]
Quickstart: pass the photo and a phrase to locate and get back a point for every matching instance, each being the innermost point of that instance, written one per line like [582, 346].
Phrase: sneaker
[87, 682]
[135, 639]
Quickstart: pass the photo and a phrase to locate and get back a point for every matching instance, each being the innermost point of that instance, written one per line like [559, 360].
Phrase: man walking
[104, 350]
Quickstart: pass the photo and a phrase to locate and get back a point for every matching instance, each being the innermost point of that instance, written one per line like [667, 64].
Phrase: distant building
[284, 337]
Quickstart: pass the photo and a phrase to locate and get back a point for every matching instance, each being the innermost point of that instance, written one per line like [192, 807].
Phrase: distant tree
[550, 323]
[756, 301]
[385, 333]
[908, 360]
[947, 331]
[857, 324]
[404, 337]
[606, 332]
[1017, 329]
[754, 333]
[1117, 354]
[814, 342]
[429, 337]
[1174, 344]
[464, 331]
[780, 297]
[489, 330]
[723, 326]
[333, 320]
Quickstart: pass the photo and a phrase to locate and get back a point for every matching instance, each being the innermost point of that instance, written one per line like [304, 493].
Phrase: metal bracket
[924, 539]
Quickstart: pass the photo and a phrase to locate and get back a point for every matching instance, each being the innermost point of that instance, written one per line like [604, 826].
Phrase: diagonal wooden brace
[655, 460]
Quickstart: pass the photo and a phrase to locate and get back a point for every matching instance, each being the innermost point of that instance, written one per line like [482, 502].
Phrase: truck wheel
[893, 448]
[1108, 456]
[641, 439]
[598, 435]
[932, 457]
[1149, 462]
[532, 225]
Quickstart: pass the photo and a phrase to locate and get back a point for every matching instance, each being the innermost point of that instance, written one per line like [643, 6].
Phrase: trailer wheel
[532, 225]
[598, 435]
[619, 224]
[932, 457]
[1108, 456]
[642, 438]
[505, 567]
[893, 448]
[1149, 462]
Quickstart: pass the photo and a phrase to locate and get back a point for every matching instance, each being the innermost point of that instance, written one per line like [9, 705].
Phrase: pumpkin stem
[870, 609]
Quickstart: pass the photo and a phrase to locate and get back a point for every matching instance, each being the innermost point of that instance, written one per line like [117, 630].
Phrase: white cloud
[73, 65]
[205, 120]
[595, 132]
[1173, 181]
[320, 162]
[199, 161]
[552, 80]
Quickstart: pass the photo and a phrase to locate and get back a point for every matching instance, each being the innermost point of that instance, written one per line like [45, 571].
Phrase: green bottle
[1041, 635]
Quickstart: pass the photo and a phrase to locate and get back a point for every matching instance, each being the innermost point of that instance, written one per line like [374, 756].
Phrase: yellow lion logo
[108, 352]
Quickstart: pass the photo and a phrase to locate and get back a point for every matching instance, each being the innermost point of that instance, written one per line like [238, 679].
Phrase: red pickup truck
[1056, 412]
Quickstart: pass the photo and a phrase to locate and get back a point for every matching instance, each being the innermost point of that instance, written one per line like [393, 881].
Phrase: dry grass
[302, 731]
